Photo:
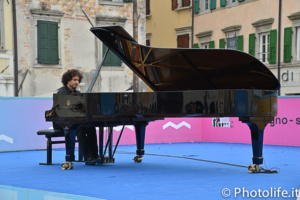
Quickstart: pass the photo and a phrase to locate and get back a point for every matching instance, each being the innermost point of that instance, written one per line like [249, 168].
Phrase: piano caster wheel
[67, 165]
[138, 159]
[254, 168]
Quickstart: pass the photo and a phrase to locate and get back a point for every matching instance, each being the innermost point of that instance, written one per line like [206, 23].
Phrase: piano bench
[49, 134]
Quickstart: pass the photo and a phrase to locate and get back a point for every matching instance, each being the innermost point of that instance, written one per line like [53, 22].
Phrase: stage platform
[175, 171]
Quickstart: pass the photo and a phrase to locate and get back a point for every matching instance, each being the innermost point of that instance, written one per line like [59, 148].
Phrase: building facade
[252, 26]
[54, 36]
[6, 49]
[169, 23]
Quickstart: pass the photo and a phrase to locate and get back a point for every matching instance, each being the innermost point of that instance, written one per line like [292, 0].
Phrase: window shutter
[147, 7]
[47, 42]
[196, 45]
[183, 41]
[240, 43]
[252, 44]
[185, 3]
[222, 43]
[43, 41]
[241, 0]
[287, 54]
[212, 44]
[273, 45]
[223, 3]
[127, 1]
[174, 4]
[213, 4]
[53, 45]
[148, 43]
[196, 6]
[111, 59]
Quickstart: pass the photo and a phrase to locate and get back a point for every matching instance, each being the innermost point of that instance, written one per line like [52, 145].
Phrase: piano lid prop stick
[97, 73]
[110, 130]
[88, 18]
[118, 140]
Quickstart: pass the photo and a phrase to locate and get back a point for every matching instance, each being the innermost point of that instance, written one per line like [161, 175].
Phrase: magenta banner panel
[284, 130]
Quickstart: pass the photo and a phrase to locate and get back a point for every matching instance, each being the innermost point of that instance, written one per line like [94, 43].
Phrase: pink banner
[284, 130]
[170, 130]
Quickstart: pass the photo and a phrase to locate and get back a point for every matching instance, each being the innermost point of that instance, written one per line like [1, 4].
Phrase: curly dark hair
[67, 76]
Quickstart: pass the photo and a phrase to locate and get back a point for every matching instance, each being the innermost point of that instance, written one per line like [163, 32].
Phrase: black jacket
[66, 90]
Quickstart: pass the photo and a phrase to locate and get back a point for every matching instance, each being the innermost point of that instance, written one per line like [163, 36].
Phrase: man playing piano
[86, 135]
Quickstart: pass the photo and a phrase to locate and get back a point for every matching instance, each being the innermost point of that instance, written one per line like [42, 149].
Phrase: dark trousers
[87, 138]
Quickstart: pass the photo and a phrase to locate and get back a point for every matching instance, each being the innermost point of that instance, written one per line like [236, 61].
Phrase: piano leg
[257, 126]
[70, 135]
[101, 153]
[140, 130]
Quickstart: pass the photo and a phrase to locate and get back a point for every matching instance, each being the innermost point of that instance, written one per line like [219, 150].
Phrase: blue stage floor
[157, 177]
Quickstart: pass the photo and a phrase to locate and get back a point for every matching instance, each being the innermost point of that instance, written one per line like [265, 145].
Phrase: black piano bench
[49, 134]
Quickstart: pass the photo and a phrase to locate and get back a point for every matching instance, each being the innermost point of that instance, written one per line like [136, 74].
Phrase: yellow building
[252, 26]
[6, 49]
[169, 23]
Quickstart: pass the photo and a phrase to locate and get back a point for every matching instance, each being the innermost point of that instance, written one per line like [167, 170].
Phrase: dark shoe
[90, 161]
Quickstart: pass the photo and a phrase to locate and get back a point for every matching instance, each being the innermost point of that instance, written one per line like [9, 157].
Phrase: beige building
[252, 26]
[6, 49]
[169, 23]
[54, 36]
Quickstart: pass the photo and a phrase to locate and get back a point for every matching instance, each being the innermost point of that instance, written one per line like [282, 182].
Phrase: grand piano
[185, 83]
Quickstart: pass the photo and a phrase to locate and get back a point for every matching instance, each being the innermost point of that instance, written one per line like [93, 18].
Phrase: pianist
[86, 135]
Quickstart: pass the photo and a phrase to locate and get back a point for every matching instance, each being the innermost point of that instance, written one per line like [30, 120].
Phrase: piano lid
[170, 69]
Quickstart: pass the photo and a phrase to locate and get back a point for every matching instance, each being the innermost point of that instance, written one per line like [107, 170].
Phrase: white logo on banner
[6, 138]
[177, 126]
[221, 122]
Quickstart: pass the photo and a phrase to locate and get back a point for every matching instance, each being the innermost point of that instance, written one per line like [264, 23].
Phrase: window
[181, 4]
[46, 37]
[232, 3]
[174, 4]
[293, 38]
[111, 59]
[148, 43]
[205, 45]
[264, 41]
[264, 47]
[148, 11]
[148, 39]
[298, 43]
[47, 42]
[183, 41]
[185, 3]
[183, 36]
[204, 39]
[114, 2]
[206, 4]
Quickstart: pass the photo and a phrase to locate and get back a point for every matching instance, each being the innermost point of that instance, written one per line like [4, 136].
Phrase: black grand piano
[185, 83]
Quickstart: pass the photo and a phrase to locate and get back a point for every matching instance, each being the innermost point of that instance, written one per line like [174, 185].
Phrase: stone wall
[78, 48]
